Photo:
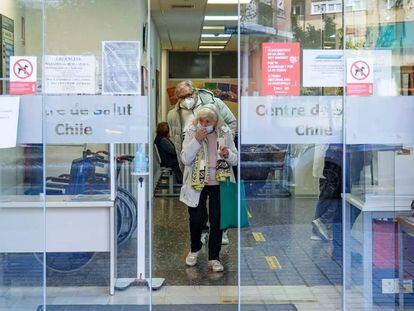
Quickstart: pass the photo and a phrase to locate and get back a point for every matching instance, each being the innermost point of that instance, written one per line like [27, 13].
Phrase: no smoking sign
[359, 78]
[23, 75]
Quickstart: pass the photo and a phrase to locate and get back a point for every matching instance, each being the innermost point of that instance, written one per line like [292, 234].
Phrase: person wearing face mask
[208, 153]
[190, 100]
[167, 151]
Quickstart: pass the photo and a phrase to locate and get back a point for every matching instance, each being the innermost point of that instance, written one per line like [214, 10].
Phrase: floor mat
[274, 307]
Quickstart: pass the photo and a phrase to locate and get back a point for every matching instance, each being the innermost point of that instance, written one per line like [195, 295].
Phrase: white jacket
[191, 146]
[205, 97]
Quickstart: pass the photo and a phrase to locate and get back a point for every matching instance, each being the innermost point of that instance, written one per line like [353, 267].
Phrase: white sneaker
[204, 237]
[191, 259]
[215, 266]
[225, 238]
[315, 237]
[322, 229]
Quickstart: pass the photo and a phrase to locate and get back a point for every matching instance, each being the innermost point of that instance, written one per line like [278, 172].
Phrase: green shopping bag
[228, 206]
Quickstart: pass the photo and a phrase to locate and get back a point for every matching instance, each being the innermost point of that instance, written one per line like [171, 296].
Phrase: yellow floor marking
[259, 237]
[273, 263]
[228, 301]
[249, 214]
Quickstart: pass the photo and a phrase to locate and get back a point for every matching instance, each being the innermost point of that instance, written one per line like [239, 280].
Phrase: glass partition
[21, 159]
[95, 79]
[379, 152]
[322, 94]
[291, 154]
[205, 52]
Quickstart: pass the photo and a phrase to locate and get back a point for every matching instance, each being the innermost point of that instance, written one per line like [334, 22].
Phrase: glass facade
[90, 215]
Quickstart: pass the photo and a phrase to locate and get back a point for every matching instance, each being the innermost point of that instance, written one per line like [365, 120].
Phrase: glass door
[22, 207]
[96, 109]
[198, 41]
[378, 142]
[310, 106]
[291, 154]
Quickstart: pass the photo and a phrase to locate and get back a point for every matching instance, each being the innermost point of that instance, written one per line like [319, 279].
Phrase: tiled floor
[305, 273]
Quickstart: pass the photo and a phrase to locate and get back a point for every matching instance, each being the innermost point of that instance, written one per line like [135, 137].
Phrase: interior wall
[12, 9]
[80, 29]
[155, 100]
[11, 158]
[164, 85]
[74, 29]
[103, 20]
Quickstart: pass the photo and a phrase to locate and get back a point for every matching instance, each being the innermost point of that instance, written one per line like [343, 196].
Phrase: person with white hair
[190, 100]
[208, 154]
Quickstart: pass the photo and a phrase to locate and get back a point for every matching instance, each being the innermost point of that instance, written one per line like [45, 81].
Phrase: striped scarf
[199, 176]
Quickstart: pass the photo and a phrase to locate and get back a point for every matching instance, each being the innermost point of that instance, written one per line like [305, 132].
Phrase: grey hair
[185, 83]
[210, 111]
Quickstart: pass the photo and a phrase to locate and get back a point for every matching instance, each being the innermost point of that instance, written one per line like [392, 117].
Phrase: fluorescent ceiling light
[212, 35]
[212, 47]
[221, 18]
[213, 27]
[228, 1]
[213, 42]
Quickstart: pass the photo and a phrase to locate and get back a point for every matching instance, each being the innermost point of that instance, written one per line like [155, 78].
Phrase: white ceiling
[180, 28]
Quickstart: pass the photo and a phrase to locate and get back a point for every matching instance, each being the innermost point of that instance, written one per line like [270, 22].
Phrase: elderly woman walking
[208, 154]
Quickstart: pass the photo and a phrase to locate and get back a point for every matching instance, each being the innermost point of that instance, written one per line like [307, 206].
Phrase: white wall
[164, 84]
[12, 9]
[75, 28]
[156, 65]
[80, 29]
[11, 174]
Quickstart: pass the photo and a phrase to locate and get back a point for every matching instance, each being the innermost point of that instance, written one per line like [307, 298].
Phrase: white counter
[379, 204]
[69, 224]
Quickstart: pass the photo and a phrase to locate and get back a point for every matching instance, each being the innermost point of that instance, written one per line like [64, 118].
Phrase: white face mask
[209, 128]
[188, 103]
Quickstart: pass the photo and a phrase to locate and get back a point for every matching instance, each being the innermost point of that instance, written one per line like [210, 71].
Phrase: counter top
[378, 206]
[38, 201]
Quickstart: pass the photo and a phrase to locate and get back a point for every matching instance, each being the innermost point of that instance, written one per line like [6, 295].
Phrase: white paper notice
[69, 74]
[9, 116]
[323, 68]
[121, 67]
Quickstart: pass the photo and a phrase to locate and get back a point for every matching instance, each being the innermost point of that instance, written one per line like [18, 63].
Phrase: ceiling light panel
[212, 35]
[212, 47]
[228, 1]
[213, 42]
[221, 18]
[213, 27]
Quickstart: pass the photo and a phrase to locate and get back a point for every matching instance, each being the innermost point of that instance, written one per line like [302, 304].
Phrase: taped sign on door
[359, 77]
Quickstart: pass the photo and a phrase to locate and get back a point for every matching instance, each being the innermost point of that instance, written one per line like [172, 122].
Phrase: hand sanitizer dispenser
[140, 160]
